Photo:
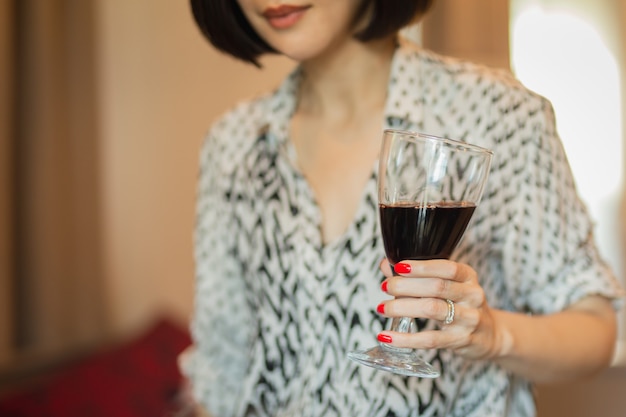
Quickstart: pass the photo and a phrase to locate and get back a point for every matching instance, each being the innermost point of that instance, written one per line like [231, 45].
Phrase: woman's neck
[352, 79]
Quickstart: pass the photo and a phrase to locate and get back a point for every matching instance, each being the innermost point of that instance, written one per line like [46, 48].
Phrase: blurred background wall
[103, 106]
[160, 86]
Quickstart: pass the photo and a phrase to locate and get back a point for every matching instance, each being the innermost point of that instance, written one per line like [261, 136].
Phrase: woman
[287, 241]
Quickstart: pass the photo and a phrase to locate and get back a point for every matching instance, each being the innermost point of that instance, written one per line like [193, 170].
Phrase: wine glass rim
[428, 136]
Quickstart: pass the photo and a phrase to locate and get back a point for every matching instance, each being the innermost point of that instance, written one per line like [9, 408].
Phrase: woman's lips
[284, 16]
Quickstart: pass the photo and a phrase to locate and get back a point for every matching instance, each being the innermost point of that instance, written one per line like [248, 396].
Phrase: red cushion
[138, 378]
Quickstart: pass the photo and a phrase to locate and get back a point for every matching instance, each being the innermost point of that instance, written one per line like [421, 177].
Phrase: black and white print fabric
[277, 309]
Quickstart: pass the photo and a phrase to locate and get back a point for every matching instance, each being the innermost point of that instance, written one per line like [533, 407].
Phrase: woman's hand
[577, 341]
[422, 290]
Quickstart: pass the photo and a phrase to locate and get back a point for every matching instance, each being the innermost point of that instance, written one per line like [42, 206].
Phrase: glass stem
[403, 325]
[400, 324]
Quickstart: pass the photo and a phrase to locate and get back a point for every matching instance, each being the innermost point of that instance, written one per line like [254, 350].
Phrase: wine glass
[428, 188]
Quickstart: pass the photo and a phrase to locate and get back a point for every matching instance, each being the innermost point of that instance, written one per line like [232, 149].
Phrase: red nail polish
[402, 268]
[381, 308]
[383, 286]
[384, 338]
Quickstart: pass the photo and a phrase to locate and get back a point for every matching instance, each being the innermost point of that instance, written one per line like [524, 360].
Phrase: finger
[426, 339]
[436, 268]
[423, 308]
[425, 287]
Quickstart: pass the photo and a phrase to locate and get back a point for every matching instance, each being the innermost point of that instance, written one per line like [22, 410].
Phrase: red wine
[423, 231]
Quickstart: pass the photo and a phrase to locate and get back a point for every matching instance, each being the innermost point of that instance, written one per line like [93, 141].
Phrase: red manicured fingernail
[381, 308]
[384, 338]
[383, 286]
[402, 268]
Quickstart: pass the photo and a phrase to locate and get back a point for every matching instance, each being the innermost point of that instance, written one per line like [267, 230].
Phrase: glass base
[399, 361]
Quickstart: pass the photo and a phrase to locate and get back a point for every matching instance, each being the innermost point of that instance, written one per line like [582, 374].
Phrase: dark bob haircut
[223, 23]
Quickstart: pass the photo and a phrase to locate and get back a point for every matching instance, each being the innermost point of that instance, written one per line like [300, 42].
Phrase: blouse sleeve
[550, 255]
[221, 322]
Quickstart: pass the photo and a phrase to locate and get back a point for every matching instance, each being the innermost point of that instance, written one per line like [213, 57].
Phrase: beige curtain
[51, 301]
[6, 168]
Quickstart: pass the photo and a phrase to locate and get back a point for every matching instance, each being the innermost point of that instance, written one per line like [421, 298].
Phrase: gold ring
[450, 317]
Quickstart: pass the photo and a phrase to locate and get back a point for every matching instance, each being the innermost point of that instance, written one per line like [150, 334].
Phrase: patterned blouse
[277, 309]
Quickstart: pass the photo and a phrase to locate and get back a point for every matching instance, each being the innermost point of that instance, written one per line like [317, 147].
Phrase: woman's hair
[223, 23]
